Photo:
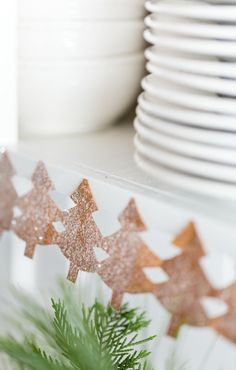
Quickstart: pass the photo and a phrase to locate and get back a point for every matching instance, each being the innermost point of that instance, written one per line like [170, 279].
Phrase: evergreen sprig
[117, 332]
[73, 337]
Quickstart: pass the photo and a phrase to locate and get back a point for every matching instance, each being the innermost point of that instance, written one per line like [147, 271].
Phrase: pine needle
[73, 337]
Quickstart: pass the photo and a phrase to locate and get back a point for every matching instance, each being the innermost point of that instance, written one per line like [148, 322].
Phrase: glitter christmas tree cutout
[127, 255]
[8, 194]
[226, 324]
[181, 294]
[189, 241]
[123, 271]
[81, 233]
[145, 259]
[38, 212]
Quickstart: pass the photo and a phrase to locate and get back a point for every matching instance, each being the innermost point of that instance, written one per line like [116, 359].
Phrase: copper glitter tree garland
[128, 255]
[38, 212]
[8, 194]
[122, 271]
[81, 233]
[187, 284]
[226, 324]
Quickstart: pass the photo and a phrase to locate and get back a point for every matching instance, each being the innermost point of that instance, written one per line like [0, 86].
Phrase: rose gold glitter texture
[188, 240]
[226, 324]
[128, 256]
[8, 194]
[81, 233]
[38, 212]
[140, 283]
[122, 271]
[187, 283]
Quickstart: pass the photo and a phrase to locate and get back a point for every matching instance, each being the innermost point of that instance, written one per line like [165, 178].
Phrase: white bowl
[63, 39]
[81, 9]
[80, 96]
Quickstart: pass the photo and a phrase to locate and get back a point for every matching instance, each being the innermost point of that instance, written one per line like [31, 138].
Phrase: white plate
[185, 147]
[195, 134]
[201, 168]
[189, 98]
[193, 10]
[223, 49]
[160, 108]
[184, 181]
[190, 28]
[203, 83]
[189, 63]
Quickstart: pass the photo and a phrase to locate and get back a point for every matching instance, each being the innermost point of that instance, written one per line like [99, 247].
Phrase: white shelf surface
[108, 155]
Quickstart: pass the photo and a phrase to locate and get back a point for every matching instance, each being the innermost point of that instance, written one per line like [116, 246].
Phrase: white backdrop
[8, 72]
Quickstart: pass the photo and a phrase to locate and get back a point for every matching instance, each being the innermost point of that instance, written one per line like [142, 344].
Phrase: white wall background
[8, 72]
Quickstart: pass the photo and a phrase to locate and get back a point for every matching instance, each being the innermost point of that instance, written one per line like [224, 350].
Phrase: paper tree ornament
[81, 233]
[8, 194]
[181, 294]
[226, 324]
[38, 212]
[189, 241]
[123, 270]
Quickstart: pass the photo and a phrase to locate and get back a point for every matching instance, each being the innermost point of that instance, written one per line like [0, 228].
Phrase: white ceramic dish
[185, 147]
[190, 117]
[202, 83]
[219, 2]
[191, 63]
[189, 28]
[223, 49]
[192, 166]
[63, 39]
[194, 10]
[189, 98]
[195, 134]
[81, 9]
[186, 182]
[70, 97]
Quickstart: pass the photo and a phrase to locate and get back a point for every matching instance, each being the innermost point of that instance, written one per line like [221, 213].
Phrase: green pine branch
[117, 332]
[73, 337]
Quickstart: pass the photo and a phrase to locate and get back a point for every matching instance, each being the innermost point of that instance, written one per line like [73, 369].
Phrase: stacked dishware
[81, 62]
[186, 116]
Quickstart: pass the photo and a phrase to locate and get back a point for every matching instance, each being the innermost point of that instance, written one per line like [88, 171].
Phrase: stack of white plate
[186, 118]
